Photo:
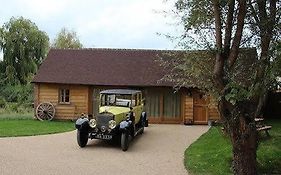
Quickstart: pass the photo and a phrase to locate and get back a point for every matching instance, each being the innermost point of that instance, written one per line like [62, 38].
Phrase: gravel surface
[160, 150]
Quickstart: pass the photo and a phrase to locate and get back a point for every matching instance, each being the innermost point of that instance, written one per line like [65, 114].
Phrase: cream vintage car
[121, 115]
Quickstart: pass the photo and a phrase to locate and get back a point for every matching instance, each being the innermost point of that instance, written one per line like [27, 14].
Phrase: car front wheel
[82, 138]
[124, 141]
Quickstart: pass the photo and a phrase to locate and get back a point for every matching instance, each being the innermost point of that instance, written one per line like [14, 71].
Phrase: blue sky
[99, 23]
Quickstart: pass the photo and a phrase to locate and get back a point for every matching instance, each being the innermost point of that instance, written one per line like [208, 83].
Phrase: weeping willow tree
[24, 47]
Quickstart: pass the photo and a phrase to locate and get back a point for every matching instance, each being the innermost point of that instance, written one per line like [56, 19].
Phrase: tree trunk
[244, 152]
[242, 131]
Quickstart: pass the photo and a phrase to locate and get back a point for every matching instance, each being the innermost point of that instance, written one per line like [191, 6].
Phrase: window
[152, 103]
[164, 104]
[172, 104]
[64, 96]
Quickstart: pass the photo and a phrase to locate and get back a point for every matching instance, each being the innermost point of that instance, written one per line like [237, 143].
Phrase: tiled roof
[114, 67]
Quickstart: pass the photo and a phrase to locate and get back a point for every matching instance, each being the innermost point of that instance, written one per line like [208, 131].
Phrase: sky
[99, 23]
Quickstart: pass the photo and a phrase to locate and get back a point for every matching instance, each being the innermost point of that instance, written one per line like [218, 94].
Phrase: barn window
[152, 103]
[64, 96]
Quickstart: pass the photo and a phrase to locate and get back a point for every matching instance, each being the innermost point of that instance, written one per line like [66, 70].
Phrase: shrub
[17, 93]
[2, 102]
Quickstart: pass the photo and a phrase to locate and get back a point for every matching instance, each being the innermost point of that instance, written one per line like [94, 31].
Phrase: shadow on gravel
[114, 143]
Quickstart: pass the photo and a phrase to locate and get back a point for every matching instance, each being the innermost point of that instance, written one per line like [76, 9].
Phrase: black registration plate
[103, 136]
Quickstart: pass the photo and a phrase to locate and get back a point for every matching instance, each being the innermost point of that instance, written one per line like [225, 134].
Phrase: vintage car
[120, 116]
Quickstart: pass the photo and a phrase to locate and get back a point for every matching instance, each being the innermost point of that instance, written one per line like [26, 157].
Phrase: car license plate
[103, 136]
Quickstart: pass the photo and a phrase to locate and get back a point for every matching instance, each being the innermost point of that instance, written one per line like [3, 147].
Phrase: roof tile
[114, 67]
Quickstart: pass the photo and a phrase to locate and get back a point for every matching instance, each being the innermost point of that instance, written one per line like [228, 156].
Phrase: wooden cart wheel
[45, 111]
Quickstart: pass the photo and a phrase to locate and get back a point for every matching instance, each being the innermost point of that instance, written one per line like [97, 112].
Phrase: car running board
[138, 131]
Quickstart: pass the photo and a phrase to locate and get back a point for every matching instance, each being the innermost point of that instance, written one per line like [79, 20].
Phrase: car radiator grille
[103, 119]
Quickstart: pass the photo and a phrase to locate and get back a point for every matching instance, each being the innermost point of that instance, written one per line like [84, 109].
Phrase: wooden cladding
[161, 104]
[188, 108]
[78, 99]
[204, 108]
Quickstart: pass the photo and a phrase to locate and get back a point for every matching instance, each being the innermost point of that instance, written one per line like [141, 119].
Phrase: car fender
[125, 126]
[144, 117]
[82, 124]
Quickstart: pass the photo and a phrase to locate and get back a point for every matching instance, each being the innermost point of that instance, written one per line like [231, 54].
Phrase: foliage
[2, 102]
[225, 27]
[197, 18]
[16, 109]
[24, 47]
[14, 128]
[11, 115]
[67, 39]
[211, 153]
[188, 69]
[275, 70]
[17, 93]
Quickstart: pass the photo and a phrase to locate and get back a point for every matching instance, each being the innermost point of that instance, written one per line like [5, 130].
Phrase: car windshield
[117, 100]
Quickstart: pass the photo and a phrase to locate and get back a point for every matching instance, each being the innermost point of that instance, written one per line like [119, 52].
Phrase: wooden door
[200, 108]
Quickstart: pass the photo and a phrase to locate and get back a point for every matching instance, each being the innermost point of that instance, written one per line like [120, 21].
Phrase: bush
[13, 108]
[2, 102]
[17, 93]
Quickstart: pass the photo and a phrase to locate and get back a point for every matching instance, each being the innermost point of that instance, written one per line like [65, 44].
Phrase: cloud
[114, 23]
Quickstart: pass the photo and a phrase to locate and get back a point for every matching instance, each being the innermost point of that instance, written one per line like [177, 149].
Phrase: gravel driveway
[158, 151]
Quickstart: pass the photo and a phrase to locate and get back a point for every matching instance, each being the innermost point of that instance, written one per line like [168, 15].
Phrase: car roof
[120, 91]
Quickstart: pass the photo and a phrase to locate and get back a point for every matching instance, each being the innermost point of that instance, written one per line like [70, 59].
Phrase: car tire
[124, 141]
[82, 138]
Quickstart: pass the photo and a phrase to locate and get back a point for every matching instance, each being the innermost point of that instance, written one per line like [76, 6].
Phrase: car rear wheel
[124, 141]
[82, 138]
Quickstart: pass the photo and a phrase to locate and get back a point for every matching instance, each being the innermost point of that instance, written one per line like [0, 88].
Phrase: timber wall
[81, 102]
[210, 107]
[79, 99]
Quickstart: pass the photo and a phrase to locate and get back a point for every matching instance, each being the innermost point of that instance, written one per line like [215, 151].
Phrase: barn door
[200, 108]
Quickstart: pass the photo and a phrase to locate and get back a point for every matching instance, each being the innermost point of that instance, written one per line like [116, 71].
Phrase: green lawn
[211, 153]
[12, 125]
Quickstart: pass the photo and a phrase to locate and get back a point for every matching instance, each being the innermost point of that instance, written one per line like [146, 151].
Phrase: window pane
[61, 95]
[172, 104]
[66, 92]
[152, 103]
[66, 99]
[64, 96]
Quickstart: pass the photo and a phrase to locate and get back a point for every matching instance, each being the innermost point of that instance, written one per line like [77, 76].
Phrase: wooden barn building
[71, 80]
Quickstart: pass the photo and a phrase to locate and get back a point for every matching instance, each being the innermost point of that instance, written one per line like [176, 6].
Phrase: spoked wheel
[124, 141]
[45, 111]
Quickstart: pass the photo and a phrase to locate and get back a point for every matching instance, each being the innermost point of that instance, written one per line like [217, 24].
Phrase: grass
[16, 116]
[14, 125]
[212, 154]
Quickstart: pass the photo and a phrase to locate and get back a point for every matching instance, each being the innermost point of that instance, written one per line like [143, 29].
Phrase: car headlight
[93, 123]
[112, 124]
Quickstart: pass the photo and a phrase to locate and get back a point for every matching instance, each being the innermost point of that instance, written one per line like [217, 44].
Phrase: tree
[67, 39]
[224, 27]
[24, 47]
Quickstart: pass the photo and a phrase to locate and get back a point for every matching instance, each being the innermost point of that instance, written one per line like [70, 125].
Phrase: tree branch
[219, 64]
[228, 27]
[254, 13]
[238, 34]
